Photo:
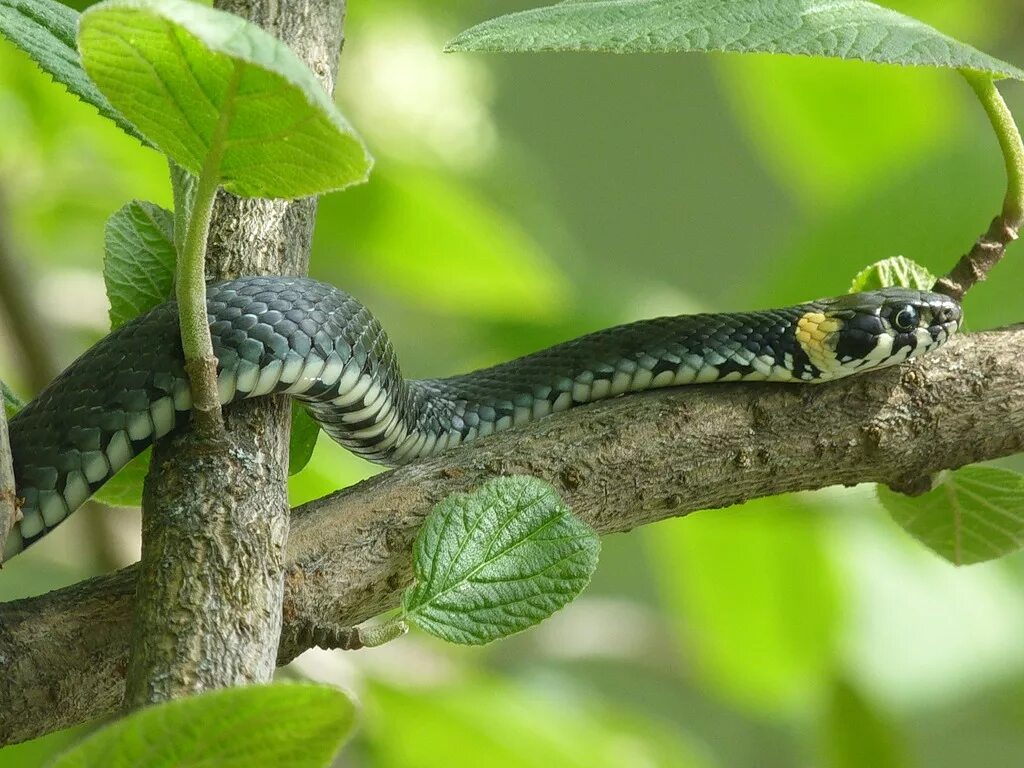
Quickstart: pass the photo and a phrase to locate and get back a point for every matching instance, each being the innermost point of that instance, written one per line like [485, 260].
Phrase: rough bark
[210, 582]
[620, 464]
[987, 251]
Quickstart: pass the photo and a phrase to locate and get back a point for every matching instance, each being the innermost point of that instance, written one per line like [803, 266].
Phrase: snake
[310, 340]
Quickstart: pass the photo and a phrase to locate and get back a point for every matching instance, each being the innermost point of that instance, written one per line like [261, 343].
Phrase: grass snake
[310, 340]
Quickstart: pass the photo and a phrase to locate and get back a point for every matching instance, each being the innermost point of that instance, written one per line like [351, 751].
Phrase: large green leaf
[292, 726]
[498, 560]
[845, 29]
[45, 30]
[974, 514]
[197, 81]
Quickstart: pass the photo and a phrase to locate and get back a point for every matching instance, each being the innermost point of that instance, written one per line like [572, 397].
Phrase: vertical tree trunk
[215, 524]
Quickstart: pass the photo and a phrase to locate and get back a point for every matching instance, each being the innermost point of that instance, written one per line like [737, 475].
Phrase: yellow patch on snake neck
[816, 333]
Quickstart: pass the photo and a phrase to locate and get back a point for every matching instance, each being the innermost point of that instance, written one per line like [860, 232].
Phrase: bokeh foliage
[520, 200]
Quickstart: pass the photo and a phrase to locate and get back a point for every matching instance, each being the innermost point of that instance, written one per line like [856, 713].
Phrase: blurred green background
[520, 200]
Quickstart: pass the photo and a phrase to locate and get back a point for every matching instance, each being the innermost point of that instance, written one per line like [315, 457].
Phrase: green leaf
[498, 560]
[12, 403]
[138, 264]
[45, 30]
[175, 67]
[845, 29]
[305, 431]
[292, 726]
[125, 488]
[896, 271]
[973, 515]
[855, 734]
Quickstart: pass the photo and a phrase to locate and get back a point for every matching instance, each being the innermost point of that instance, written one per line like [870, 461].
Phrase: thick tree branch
[620, 464]
[215, 526]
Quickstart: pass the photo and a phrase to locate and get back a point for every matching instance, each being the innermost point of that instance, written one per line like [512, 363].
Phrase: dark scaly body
[317, 343]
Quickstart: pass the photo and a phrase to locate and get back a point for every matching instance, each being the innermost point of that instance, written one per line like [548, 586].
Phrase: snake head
[858, 331]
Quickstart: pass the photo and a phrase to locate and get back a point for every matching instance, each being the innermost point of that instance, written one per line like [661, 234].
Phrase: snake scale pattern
[304, 338]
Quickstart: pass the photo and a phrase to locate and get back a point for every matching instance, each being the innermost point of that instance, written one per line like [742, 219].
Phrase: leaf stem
[1005, 228]
[1009, 142]
[190, 277]
[377, 635]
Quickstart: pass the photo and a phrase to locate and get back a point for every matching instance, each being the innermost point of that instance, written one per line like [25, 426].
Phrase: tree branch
[215, 523]
[620, 464]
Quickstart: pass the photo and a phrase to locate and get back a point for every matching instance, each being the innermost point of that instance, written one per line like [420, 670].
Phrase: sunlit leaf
[498, 560]
[292, 726]
[138, 264]
[197, 81]
[974, 514]
[45, 30]
[897, 271]
[845, 29]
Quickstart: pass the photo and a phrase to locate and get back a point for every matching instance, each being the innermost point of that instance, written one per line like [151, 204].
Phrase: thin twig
[1005, 228]
[190, 279]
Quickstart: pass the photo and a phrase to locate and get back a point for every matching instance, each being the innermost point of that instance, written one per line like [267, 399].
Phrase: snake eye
[905, 320]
